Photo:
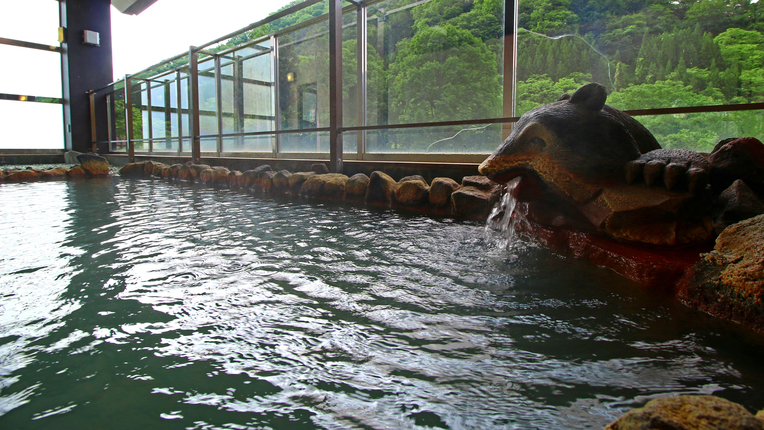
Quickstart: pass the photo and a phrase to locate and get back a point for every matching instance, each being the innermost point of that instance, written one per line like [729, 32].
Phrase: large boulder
[205, 176]
[94, 165]
[195, 169]
[248, 177]
[76, 172]
[24, 175]
[132, 170]
[263, 181]
[185, 174]
[157, 170]
[220, 176]
[736, 203]
[175, 171]
[441, 190]
[148, 167]
[328, 186]
[55, 173]
[688, 413]
[281, 181]
[412, 191]
[233, 179]
[297, 179]
[728, 282]
[355, 187]
[738, 159]
[473, 203]
[639, 213]
[166, 172]
[381, 188]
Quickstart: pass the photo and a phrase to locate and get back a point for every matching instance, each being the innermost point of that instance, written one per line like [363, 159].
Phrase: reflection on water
[138, 304]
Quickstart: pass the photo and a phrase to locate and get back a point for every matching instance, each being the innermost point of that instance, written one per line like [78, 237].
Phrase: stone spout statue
[587, 166]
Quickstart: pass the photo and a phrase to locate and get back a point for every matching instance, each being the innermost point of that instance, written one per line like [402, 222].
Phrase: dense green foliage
[442, 60]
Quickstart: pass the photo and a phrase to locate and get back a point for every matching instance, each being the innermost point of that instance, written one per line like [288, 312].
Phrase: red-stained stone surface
[653, 267]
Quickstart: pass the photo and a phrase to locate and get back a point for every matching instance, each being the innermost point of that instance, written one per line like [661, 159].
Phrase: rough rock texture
[688, 413]
[148, 167]
[175, 171]
[297, 179]
[132, 170]
[728, 282]
[441, 190]
[233, 179]
[329, 186]
[166, 172]
[736, 203]
[638, 213]
[220, 176]
[471, 202]
[381, 188]
[76, 172]
[355, 187]
[480, 182]
[195, 169]
[263, 181]
[23, 175]
[671, 168]
[56, 173]
[281, 181]
[738, 159]
[248, 177]
[185, 174]
[94, 165]
[205, 176]
[70, 157]
[157, 171]
[412, 191]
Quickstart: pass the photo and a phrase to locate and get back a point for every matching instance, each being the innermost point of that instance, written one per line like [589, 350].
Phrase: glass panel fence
[443, 60]
[305, 143]
[304, 78]
[647, 54]
[471, 139]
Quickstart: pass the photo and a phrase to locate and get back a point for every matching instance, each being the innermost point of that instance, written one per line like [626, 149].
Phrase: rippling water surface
[132, 304]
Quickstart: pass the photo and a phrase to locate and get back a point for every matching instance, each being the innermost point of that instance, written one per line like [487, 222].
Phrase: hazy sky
[167, 28]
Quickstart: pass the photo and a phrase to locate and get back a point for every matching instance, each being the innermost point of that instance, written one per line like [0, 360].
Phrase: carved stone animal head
[571, 147]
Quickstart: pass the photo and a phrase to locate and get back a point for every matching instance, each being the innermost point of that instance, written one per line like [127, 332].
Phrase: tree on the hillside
[443, 73]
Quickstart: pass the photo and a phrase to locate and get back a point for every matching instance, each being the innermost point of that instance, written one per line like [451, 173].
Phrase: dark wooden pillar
[84, 67]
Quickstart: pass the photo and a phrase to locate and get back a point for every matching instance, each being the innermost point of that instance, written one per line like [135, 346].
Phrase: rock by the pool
[728, 282]
[738, 159]
[441, 190]
[356, 185]
[738, 202]
[412, 191]
[688, 413]
[329, 186]
[381, 188]
[94, 165]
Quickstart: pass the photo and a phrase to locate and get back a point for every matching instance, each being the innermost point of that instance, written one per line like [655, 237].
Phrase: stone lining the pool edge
[91, 166]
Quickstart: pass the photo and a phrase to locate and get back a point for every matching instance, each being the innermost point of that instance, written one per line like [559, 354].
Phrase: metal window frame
[335, 128]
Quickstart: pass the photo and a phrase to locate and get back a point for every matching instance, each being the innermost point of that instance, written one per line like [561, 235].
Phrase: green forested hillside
[442, 59]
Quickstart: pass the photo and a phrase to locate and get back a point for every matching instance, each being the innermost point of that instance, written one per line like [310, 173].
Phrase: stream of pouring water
[501, 226]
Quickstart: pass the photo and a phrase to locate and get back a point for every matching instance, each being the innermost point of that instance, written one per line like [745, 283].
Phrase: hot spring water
[139, 304]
